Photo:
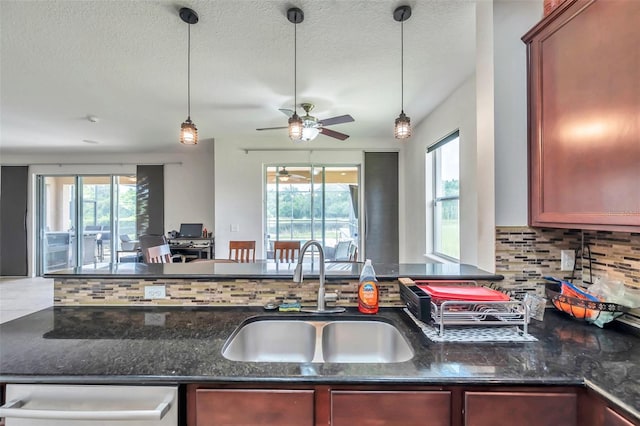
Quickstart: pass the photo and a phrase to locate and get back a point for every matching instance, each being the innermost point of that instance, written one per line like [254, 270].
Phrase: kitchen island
[177, 345]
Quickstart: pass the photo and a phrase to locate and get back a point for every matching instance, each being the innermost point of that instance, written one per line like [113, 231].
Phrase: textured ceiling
[126, 63]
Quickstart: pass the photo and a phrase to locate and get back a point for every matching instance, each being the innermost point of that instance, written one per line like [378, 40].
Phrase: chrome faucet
[297, 278]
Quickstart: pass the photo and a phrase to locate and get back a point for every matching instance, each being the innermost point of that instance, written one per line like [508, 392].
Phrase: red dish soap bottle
[368, 290]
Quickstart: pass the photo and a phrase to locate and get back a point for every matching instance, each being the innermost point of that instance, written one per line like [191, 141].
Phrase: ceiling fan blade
[336, 120]
[272, 128]
[333, 134]
[287, 112]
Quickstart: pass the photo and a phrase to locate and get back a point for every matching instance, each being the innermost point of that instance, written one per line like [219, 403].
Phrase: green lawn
[451, 238]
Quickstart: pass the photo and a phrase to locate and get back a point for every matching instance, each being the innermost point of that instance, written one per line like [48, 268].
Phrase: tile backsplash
[526, 255]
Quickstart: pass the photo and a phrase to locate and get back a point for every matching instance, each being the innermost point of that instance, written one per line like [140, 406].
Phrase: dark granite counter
[273, 270]
[183, 345]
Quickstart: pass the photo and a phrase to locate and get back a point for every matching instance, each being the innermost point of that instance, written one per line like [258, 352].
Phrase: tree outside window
[446, 201]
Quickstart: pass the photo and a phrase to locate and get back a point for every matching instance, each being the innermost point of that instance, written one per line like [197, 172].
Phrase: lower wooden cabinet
[339, 405]
[596, 410]
[407, 408]
[242, 407]
[520, 408]
[234, 404]
[611, 418]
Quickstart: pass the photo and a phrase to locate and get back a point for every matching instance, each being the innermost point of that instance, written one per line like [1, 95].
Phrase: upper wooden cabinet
[584, 116]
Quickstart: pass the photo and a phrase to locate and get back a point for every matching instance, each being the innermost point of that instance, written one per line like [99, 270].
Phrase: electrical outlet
[567, 260]
[155, 319]
[154, 292]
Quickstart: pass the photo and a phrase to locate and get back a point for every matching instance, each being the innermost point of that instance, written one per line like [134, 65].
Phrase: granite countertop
[183, 345]
[274, 270]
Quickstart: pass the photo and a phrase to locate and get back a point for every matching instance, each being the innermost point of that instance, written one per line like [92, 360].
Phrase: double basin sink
[309, 339]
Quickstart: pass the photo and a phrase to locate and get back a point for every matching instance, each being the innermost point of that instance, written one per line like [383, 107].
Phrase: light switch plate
[154, 292]
[235, 228]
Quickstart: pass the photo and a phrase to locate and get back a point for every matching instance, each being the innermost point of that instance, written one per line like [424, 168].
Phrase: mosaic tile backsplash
[526, 255]
[241, 292]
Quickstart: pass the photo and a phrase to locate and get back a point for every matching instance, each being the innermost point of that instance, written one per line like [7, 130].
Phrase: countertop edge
[609, 397]
[338, 380]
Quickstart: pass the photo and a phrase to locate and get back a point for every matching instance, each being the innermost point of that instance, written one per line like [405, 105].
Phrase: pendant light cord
[189, 72]
[402, 65]
[295, 66]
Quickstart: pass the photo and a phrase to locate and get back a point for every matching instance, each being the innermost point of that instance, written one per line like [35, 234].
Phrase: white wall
[511, 21]
[490, 111]
[485, 158]
[189, 190]
[456, 112]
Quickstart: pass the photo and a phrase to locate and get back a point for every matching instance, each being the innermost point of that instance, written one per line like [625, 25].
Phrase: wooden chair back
[158, 254]
[242, 251]
[286, 251]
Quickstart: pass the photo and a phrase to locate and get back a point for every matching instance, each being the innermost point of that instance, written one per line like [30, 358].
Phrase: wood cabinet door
[380, 408]
[520, 408]
[584, 126]
[611, 418]
[242, 407]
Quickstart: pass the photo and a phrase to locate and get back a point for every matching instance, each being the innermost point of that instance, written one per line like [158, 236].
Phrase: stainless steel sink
[272, 341]
[364, 341]
[264, 339]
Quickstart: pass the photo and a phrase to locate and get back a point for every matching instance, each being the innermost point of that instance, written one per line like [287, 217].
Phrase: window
[446, 196]
[311, 202]
[76, 216]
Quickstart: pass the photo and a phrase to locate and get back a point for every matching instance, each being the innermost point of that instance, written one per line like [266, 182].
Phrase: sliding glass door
[312, 202]
[78, 217]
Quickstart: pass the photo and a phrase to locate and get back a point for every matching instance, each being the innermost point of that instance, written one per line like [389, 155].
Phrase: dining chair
[286, 251]
[159, 254]
[147, 242]
[242, 251]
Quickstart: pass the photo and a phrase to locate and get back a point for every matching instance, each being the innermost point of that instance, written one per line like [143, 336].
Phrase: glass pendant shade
[403, 127]
[188, 133]
[295, 127]
[309, 133]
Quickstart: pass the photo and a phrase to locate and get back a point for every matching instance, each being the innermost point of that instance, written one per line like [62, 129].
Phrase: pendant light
[295, 16]
[403, 123]
[188, 130]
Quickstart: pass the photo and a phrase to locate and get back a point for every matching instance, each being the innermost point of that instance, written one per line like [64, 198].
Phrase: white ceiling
[126, 63]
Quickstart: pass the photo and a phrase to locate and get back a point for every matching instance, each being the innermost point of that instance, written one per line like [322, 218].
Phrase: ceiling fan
[312, 127]
[284, 175]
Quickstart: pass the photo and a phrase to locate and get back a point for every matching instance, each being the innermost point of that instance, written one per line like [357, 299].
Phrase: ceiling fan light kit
[402, 129]
[307, 127]
[188, 130]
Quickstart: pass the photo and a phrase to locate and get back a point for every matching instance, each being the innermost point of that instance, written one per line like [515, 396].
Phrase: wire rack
[499, 313]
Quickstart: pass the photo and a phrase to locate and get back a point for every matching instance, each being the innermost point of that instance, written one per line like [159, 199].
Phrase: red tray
[464, 293]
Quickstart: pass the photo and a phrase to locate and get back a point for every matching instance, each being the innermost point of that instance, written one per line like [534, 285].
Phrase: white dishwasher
[90, 405]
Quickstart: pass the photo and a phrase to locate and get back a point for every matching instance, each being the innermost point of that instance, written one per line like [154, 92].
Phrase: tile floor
[21, 296]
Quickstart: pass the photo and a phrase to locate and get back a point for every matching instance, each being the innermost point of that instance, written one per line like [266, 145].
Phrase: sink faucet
[297, 278]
